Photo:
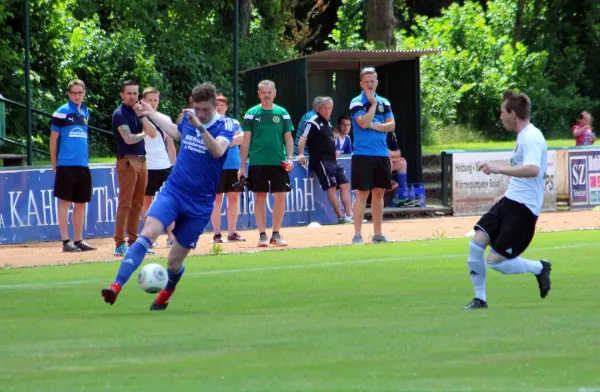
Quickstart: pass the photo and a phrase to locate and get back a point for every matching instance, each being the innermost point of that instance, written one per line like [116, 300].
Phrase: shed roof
[353, 59]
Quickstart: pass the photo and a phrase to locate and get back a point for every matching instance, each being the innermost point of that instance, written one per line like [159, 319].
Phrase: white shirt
[530, 150]
[157, 157]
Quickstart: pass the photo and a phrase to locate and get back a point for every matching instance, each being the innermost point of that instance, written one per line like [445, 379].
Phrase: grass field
[436, 149]
[370, 318]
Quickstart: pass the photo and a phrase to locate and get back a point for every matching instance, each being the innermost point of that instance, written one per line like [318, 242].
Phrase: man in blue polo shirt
[69, 157]
[188, 195]
[372, 119]
[130, 129]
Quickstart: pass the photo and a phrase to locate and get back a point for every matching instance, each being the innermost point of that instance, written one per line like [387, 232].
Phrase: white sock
[477, 268]
[518, 265]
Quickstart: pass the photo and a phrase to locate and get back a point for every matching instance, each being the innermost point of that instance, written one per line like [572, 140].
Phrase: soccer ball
[153, 278]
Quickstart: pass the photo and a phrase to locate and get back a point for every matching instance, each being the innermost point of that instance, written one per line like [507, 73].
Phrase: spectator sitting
[302, 124]
[343, 144]
[582, 131]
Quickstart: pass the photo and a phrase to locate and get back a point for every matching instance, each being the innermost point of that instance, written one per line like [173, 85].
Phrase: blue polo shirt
[233, 160]
[124, 115]
[72, 128]
[367, 141]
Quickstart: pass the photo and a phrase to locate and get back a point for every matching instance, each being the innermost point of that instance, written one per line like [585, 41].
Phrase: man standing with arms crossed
[509, 226]
[267, 130]
[228, 178]
[372, 119]
[69, 156]
[130, 130]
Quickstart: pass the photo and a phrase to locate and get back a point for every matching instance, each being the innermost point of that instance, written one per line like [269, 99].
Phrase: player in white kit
[509, 226]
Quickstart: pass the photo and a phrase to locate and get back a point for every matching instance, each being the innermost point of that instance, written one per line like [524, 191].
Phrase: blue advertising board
[28, 208]
[584, 178]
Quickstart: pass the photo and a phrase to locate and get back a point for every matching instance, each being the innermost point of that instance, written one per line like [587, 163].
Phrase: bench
[13, 159]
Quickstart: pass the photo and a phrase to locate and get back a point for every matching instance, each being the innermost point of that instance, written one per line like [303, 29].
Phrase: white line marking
[274, 268]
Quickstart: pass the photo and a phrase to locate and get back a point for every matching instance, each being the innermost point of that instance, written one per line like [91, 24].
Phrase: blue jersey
[72, 127]
[196, 174]
[233, 159]
[367, 141]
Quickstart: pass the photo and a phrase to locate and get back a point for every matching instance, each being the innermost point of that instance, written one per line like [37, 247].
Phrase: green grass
[46, 162]
[436, 149]
[370, 318]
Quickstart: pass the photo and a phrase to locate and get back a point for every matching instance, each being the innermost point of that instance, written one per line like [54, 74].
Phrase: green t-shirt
[267, 146]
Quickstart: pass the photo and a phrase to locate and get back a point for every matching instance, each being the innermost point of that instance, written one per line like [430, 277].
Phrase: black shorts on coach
[510, 226]
[156, 179]
[73, 183]
[268, 178]
[329, 173]
[228, 178]
[369, 172]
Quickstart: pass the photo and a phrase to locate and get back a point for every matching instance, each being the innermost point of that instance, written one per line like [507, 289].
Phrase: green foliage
[349, 28]
[464, 84]
[171, 45]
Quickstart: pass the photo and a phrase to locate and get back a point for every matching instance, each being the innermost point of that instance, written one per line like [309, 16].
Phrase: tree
[519, 22]
[381, 23]
[245, 17]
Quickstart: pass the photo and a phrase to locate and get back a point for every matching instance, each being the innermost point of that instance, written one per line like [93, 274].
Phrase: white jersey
[530, 150]
[157, 157]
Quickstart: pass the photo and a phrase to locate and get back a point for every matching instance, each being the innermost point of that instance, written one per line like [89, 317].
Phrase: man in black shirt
[321, 143]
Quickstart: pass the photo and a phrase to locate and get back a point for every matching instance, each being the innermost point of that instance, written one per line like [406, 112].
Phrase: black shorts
[261, 176]
[510, 226]
[329, 173]
[369, 172]
[73, 183]
[156, 179]
[228, 178]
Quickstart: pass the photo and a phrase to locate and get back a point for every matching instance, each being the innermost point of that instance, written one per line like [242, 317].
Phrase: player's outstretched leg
[543, 278]
[478, 273]
[162, 299]
[132, 260]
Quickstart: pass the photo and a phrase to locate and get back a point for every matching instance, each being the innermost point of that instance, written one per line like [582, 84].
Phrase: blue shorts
[190, 218]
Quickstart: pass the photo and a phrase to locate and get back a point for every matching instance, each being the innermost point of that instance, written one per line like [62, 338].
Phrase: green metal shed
[335, 73]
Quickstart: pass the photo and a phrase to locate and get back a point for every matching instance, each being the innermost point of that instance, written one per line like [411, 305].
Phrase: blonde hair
[150, 90]
[75, 82]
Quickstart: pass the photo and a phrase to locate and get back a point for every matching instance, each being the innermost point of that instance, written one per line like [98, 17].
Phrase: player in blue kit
[188, 194]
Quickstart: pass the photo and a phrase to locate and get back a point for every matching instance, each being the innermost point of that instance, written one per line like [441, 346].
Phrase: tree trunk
[519, 22]
[381, 23]
[245, 17]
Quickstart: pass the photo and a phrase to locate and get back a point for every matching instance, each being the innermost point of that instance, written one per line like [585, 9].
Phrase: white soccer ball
[153, 278]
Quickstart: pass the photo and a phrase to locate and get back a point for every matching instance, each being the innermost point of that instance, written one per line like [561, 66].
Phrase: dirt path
[49, 253]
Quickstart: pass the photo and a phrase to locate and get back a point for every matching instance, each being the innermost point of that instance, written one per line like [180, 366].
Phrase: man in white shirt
[509, 226]
[160, 158]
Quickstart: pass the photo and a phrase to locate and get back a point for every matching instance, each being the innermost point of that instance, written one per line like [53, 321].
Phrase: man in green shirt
[267, 136]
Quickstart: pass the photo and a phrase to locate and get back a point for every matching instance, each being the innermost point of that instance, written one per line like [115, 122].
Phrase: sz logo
[578, 174]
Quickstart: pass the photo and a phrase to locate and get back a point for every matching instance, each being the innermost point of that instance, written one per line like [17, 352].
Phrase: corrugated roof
[343, 56]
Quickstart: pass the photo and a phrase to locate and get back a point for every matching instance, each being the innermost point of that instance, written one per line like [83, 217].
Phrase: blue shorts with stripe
[190, 218]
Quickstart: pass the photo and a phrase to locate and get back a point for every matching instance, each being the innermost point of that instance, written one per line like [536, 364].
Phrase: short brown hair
[518, 103]
[75, 82]
[205, 92]
[128, 82]
[222, 98]
[150, 90]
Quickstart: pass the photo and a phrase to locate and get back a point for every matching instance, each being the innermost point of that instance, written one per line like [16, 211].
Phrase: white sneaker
[380, 239]
[345, 220]
[277, 240]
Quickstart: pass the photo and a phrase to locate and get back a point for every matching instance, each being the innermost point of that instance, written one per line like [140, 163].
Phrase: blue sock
[132, 260]
[400, 178]
[174, 278]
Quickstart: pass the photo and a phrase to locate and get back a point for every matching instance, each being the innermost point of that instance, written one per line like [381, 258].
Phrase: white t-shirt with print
[530, 150]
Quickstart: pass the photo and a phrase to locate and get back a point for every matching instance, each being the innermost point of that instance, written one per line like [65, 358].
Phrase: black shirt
[320, 139]
[124, 115]
[392, 142]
